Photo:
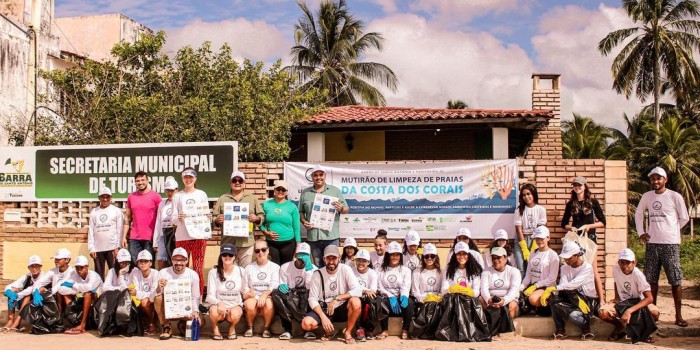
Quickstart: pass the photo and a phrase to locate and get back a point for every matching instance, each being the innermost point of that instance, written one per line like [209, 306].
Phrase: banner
[78, 172]
[435, 199]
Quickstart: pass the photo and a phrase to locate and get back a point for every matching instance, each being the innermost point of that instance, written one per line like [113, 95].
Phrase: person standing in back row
[667, 215]
[140, 217]
[104, 232]
[319, 239]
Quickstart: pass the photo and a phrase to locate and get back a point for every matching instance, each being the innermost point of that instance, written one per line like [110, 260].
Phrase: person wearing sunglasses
[427, 279]
[256, 216]
[225, 292]
[262, 276]
[282, 227]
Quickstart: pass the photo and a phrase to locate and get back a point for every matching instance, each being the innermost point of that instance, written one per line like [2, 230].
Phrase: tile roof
[367, 114]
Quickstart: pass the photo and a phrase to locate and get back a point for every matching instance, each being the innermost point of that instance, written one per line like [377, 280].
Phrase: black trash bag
[291, 306]
[279, 300]
[112, 312]
[462, 320]
[73, 313]
[642, 324]
[135, 326]
[427, 320]
[565, 302]
[524, 305]
[499, 320]
[43, 319]
[378, 307]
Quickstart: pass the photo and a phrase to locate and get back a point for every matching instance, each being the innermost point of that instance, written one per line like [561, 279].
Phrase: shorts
[340, 314]
[610, 308]
[667, 256]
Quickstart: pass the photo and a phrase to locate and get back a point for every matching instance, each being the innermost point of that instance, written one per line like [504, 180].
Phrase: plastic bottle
[195, 329]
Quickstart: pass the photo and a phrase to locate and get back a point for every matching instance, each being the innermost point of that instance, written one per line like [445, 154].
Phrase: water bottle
[195, 329]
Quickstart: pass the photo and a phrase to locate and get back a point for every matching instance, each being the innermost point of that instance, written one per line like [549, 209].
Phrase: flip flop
[381, 335]
[681, 323]
[404, 335]
[349, 340]
[233, 336]
[330, 336]
[217, 337]
[74, 331]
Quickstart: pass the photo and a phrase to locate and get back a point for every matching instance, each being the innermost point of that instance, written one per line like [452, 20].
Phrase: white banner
[435, 199]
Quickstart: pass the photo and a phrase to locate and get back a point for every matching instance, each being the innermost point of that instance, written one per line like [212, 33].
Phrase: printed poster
[178, 298]
[323, 212]
[236, 222]
[197, 219]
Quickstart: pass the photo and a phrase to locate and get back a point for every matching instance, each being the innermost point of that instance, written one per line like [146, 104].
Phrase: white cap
[658, 171]
[362, 254]
[62, 253]
[394, 247]
[500, 251]
[350, 242]
[237, 174]
[460, 247]
[500, 234]
[429, 249]
[123, 255]
[170, 183]
[541, 232]
[626, 254]
[81, 260]
[412, 238]
[34, 260]
[144, 255]
[180, 251]
[318, 167]
[189, 172]
[105, 191]
[303, 247]
[465, 232]
[570, 249]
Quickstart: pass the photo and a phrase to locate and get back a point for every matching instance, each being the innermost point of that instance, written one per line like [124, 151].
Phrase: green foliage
[200, 95]
[690, 250]
[457, 104]
[583, 138]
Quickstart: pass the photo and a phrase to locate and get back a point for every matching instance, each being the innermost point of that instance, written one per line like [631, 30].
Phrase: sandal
[151, 330]
[560, 334]
[382, 335]
[681, 323]
[217, 337]
[15, 330]
[404, 335]
[588, 336]
[248, 332]
[266, 333]
[649, 340]
[71, 331]
[329, 336]
[310, 336]
[349, 339]
[166, 333]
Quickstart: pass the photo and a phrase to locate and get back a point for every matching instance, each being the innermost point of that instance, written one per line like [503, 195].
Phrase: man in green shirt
[238, 194]
[318, 239]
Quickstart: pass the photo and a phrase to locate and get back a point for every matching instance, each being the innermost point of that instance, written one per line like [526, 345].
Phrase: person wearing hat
[500, 289]
[318, 239]
[411, 244]
[349, 251]
[465, 235]
[83, 281]
[164, 233]
[262, 277]
[194, 243]
[395, 283]
[667, 216]
[542, 269]
[529, 215]
[140, 214]
[118, 277]
[142, 285]
[53, 278]
[462, 269]
[104, 232]
[178, 272]
[19, 294]
[631, 287]
[281, 228]
[256, 216]
[368, 279]
[576, 299]
[225, 292]
[295, 275]
[334, 296]
[500, 239]
[427, 278]
[377, 256]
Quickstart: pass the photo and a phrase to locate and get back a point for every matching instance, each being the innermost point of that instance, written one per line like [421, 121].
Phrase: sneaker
[248, 332]
[360, 335]
[310, 336]
[285, 336]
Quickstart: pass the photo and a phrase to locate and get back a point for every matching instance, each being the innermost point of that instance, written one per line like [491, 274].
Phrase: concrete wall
[367, 146]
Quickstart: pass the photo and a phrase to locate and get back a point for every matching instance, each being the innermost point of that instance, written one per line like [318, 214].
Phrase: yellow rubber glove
[533, 246]
[523, 248]
[531, 289]
[583, 306]
[431, 297]
[544, 299]
[456, 288]
[137, 302]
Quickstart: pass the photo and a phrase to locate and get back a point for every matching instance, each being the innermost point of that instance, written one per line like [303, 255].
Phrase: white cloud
[465, 10]
[255, 40]
[389, 6]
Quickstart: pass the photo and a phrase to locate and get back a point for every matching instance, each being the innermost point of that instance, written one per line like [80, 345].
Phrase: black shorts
[666, 256]
[340, 314]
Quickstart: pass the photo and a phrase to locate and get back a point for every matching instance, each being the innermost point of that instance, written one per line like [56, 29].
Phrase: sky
[480, 51]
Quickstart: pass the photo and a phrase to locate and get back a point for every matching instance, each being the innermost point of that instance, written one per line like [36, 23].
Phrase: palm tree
[661, 46]
[457, 104]
[327, 54]
[582, 138]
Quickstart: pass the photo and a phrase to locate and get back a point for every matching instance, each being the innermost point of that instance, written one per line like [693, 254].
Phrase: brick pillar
[616, 214]
[546, 142]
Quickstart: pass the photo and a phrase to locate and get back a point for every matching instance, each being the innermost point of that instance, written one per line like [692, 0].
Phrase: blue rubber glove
[306, 258]
[37, 298]
[404, 301]
[94, 291]
[10, 294]
[67, 284]
[395, 308]
[283, 288]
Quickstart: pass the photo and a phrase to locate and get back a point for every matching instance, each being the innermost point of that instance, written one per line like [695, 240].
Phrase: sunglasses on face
[227, 255]
[237, 181]
[430, 256]
[261, 250]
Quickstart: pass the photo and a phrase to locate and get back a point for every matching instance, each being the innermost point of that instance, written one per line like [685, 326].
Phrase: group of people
[345, 285]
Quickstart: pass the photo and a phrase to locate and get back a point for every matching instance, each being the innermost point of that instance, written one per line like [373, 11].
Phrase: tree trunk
[657, 83]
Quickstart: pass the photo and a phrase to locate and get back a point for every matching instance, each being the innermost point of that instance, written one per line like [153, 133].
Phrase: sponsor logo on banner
[14, 174]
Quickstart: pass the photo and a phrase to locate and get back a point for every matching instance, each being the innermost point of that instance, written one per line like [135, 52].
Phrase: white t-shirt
[294, 277]
[53, 277]
[179, 201]
[542, 269]
[376, 260]
[91, 282]
[461, 276]
[188, 274]
[395, 281]
[667, 215]
[504, 284]
[262, 278]
[425, 281]
[341, 282]
[531, 218]
[116, 281]
[411, 261]
[630, 286]
[164, 220]
[145, 286]
[367, 280]
[579, 279]
[230, 292]
[20, 282]
[105, 229]
[348, 261]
